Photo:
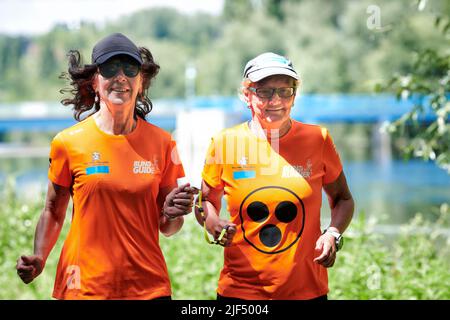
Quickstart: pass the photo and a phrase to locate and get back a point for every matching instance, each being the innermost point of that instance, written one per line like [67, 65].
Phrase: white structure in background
[194, 129]
[193, 135]
[190, 75]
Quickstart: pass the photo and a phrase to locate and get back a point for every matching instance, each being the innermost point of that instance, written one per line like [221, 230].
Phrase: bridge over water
[309, 108]
[381, 184]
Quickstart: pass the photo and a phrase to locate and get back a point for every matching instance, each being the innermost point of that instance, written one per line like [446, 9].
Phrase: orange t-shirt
[112, 250]
[274, 195]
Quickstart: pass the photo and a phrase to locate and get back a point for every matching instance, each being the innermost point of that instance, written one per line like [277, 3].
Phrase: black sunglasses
[267, 93]
[111, 68]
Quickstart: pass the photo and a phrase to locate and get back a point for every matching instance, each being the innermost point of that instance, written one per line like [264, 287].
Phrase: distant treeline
[337, 46]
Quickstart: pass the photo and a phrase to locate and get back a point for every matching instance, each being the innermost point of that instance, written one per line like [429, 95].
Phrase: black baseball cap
[114, 45]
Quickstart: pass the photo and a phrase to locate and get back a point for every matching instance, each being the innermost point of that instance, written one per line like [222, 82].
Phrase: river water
[382, 185]
[393, 192]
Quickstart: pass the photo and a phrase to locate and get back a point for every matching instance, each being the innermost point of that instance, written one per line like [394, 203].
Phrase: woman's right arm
[212, 203]
[47, 232]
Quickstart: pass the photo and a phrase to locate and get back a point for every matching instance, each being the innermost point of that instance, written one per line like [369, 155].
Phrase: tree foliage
[329, 43]
[428, 85]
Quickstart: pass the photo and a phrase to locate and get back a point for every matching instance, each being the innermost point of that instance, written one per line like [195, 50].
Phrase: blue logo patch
[97, 169]
[244, 174]
[281, 60]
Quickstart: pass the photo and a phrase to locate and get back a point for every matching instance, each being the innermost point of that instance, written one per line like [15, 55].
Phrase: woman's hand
[216, 227]
[29, 267]
[179, 201]
[326, 248]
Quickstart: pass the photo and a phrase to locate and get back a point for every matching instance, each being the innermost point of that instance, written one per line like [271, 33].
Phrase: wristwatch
[338, 238]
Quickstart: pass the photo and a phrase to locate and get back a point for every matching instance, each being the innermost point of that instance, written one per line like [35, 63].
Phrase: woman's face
[272, 112]
[118, 82]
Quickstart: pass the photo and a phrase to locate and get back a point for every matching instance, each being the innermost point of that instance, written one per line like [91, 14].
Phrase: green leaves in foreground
[414, 264]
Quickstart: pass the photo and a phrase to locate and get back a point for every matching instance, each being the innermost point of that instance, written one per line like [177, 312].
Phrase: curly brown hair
[83, 94]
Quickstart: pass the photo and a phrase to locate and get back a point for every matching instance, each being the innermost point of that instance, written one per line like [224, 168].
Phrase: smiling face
[271, 112]
[116, 89]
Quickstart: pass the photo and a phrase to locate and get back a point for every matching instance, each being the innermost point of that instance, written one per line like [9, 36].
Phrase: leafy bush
[18, 221]
[413, 265]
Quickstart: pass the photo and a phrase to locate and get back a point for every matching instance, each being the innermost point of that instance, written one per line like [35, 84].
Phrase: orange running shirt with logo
[112, 249]
[274, 196]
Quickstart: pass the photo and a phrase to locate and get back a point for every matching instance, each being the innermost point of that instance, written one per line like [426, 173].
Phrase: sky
[30, 17]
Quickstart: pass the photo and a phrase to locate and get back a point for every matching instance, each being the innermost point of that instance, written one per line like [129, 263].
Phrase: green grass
[410, 266]
[194, 265]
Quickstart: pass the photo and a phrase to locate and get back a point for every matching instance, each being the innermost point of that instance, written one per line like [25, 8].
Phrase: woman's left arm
[342, 207]
[341, 204]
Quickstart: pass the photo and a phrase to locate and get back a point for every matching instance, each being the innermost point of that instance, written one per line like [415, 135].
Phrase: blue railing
[311, 108]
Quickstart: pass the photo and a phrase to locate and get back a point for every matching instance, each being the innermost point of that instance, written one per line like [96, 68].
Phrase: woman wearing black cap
[121, 173]
[272, 170]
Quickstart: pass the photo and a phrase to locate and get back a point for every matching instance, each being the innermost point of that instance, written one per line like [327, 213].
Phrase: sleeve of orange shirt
[58, 171]
[212, 170]
[331, 160]
[173, 168]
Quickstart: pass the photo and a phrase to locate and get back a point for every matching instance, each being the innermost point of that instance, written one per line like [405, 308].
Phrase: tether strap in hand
[202, 212]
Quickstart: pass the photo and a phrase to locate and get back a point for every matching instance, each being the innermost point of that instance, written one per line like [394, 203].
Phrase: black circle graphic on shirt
[286, 211]
[300, 214]
[257, 211]
[270, 235]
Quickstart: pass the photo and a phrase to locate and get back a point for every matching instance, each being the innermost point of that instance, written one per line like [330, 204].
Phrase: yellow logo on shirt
[272, 219]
